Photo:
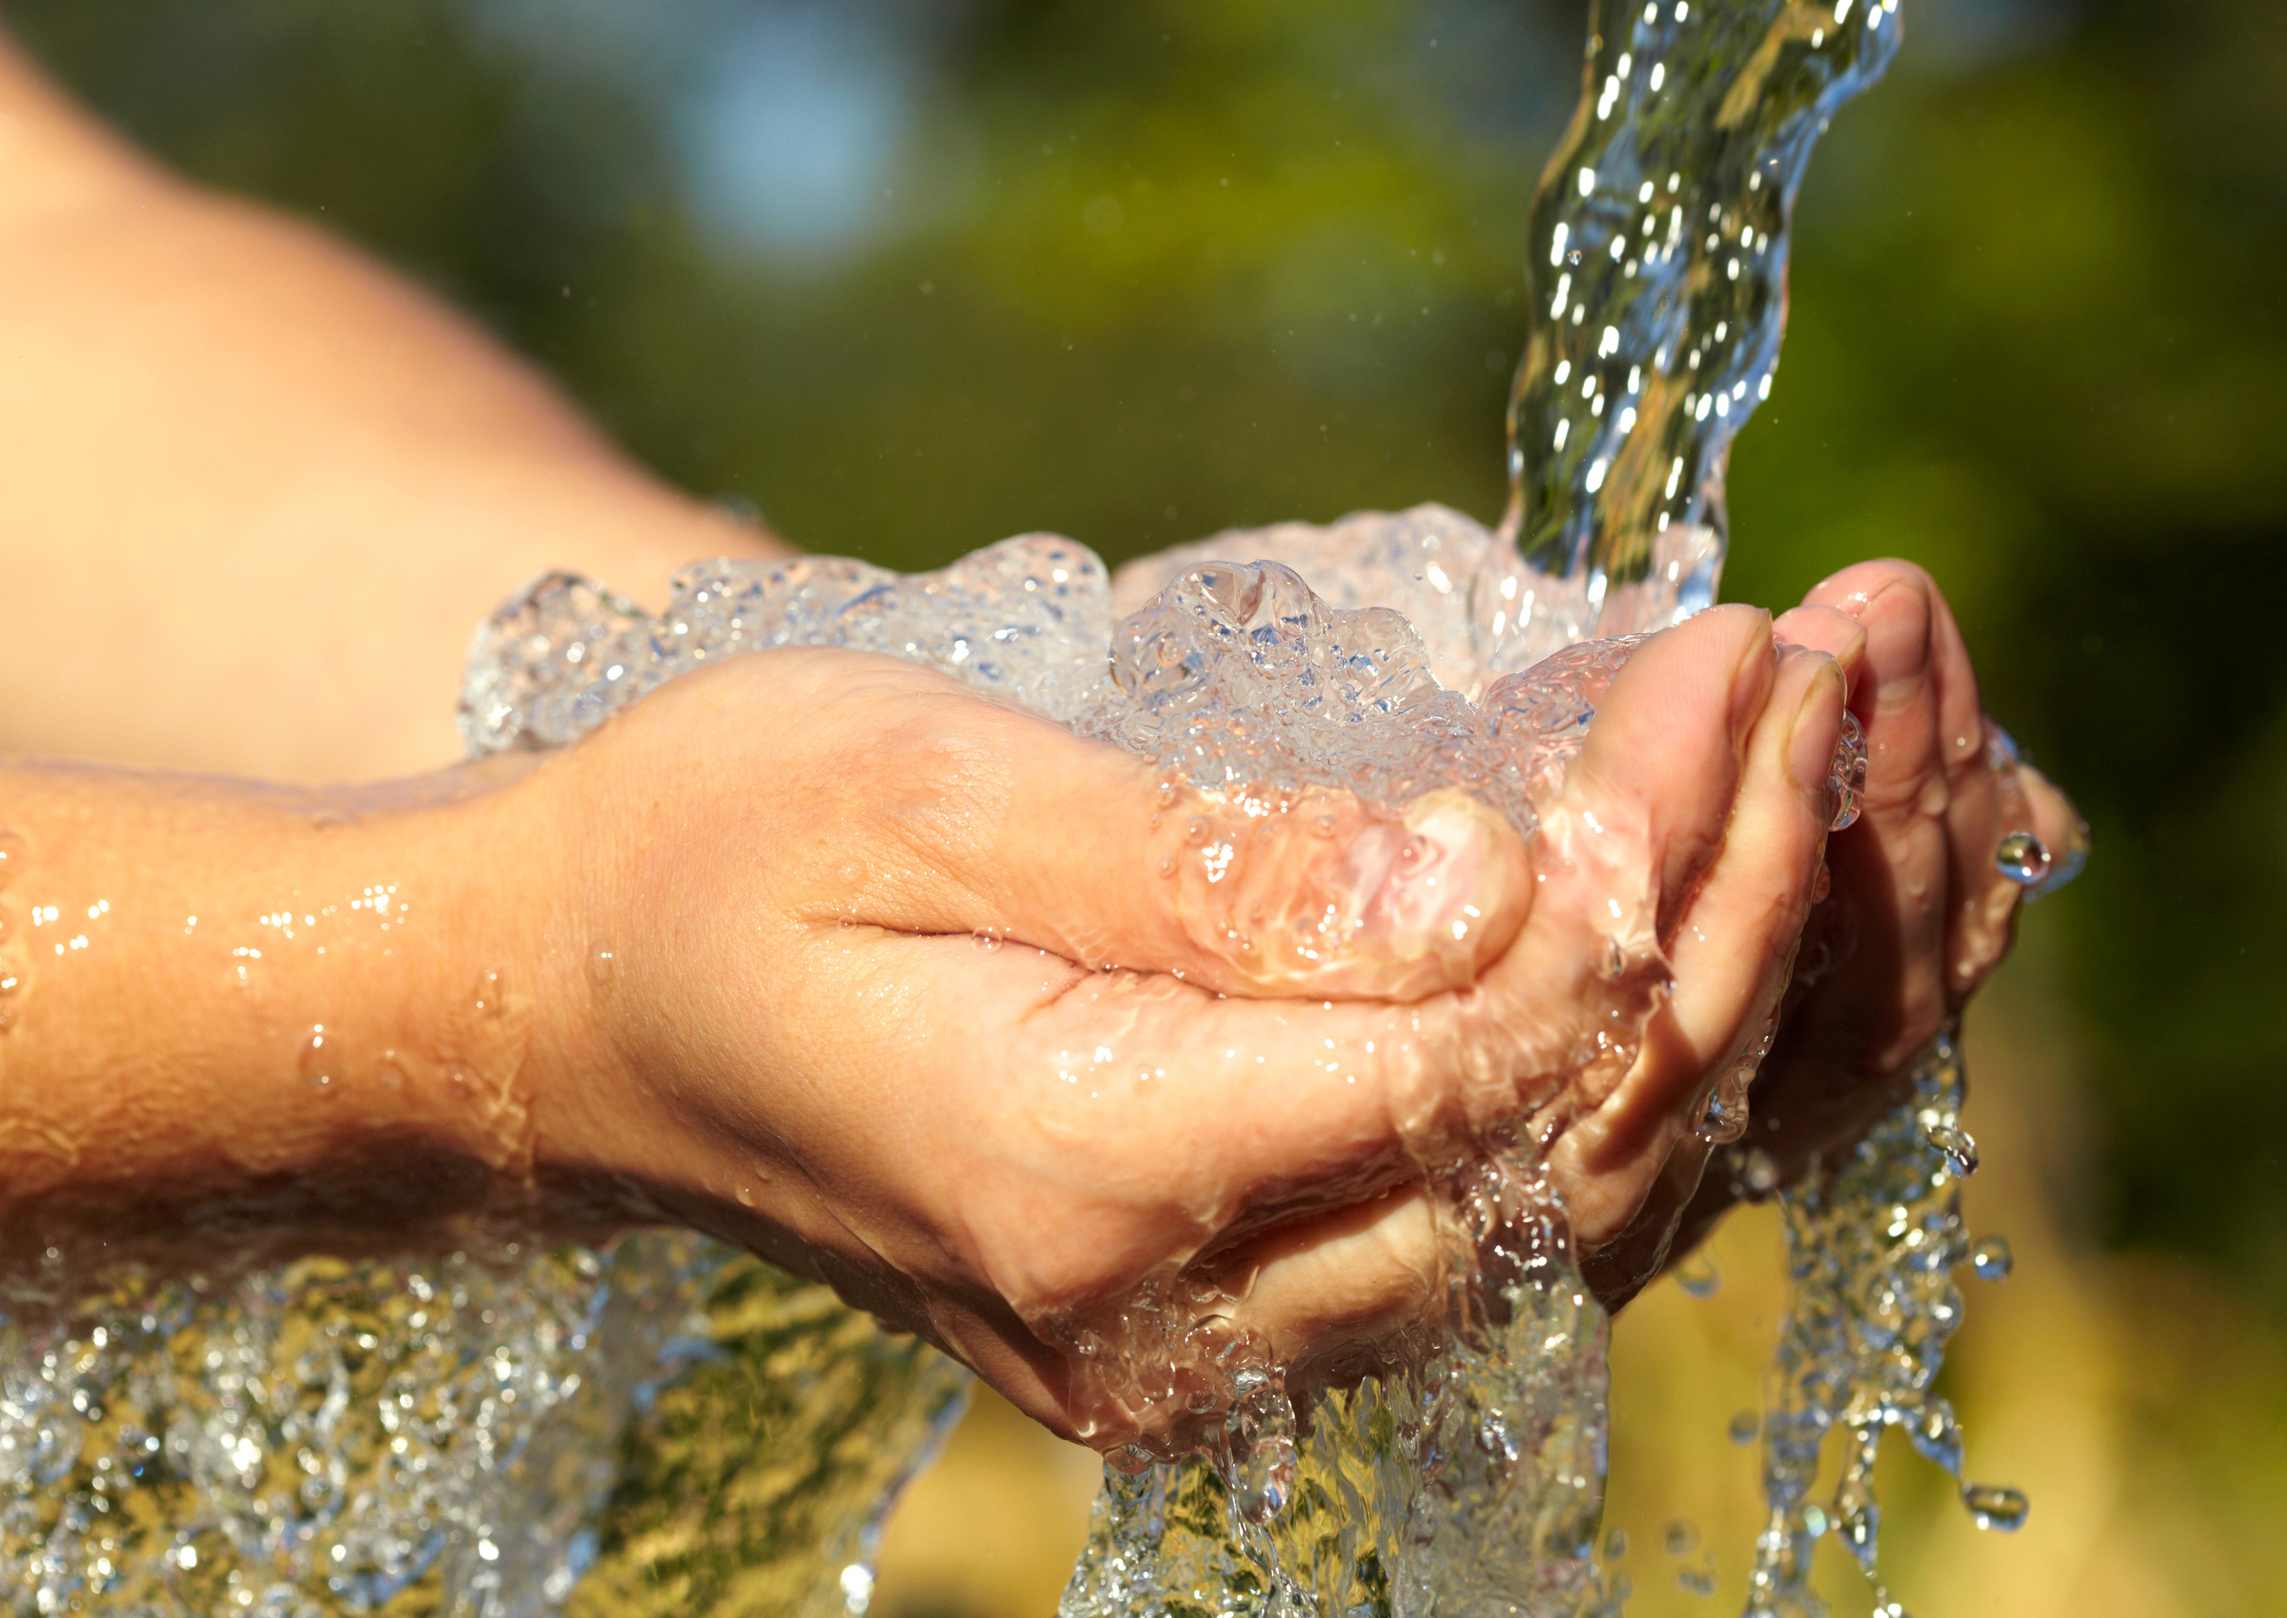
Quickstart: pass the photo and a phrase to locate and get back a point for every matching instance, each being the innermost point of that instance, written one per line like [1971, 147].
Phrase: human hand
[1917, 918]
[897, 994]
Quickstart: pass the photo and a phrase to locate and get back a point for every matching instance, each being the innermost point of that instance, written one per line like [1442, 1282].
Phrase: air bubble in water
[1996, 1507]
[1846, 781]
[2022, 858]
[1959, 1147]
[1991, 1259]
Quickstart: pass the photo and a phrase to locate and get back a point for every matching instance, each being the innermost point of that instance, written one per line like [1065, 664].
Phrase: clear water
[668, 1426]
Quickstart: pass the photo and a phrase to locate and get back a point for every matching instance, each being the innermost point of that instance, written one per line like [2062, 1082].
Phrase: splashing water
[527, 1434]
[520, 1433]
[1871, 1250]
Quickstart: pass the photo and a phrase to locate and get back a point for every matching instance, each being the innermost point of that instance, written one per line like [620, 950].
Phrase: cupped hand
[1918, 916]
[927, 997]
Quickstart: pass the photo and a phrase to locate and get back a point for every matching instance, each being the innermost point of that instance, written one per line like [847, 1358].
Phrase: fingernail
[1817, 728]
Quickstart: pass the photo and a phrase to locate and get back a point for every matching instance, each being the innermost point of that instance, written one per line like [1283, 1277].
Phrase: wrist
[248, 1019]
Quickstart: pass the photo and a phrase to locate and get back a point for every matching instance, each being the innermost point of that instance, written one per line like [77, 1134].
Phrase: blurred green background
[911, 275]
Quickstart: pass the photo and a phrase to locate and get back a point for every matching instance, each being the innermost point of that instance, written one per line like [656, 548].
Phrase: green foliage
[1155, 268]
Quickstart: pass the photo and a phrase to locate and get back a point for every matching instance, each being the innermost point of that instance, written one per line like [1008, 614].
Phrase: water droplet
[1616, 1544]
[1165, 795]
[492, 992]
[328, 820]
[1195, 831]
[320, 1057]
[1166, 865]
[1959, 1148]
[1697, 1581]
[1757, 1174]
[1846, 779]
[1814, 1521]
[390, 1070]
[1995, 1507]
[14, 852]
[1322, 825]
[1698, 1276]
[985, 942]
[1991, 1259]
[1744, 1426]
[1680, 1537]
[603, 966]
[11, 979]
[2022, 858]
[1620, 1586]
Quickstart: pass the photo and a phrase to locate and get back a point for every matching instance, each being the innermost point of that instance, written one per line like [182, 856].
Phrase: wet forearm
[220, 997]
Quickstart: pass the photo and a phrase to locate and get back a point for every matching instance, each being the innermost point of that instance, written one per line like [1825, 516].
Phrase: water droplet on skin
[1165, 796]
[746, 1196]
[1991, 1259]
[1322, 825]
[1846, 779]
[11, 979]
[390, 1070]
[328, 820]
[319, 1059]
[986, 942]
[1959, 1148]
[603, 966]
[2022, 858]
[1166, 865]
[1992, 1506]
[14, 852]
[492, 993]
[1698, 1276]
[1195, 831]
[1744, 1426]
[1680, 1537]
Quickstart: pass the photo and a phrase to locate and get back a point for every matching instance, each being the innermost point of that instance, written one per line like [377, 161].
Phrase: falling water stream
[512, 1432]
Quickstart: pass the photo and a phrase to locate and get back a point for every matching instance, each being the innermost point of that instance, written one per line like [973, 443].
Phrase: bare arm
[255, 492]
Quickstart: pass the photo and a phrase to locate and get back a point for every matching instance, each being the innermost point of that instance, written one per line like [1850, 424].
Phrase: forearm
[255, 492]
[231, 1009]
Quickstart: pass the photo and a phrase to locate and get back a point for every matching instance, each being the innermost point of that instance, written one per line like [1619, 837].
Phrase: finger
[1825, 629]
[1894, 872]
[1730, 953]
[972, 816]
[1654, 782]
[1352, 1278]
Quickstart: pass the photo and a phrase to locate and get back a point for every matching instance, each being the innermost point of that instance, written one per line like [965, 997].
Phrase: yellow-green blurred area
[912, 275]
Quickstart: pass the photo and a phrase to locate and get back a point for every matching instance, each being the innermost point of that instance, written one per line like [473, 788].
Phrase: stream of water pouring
[506, 1432]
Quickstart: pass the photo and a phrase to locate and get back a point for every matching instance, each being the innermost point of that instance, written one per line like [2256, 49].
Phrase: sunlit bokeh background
[907, 276]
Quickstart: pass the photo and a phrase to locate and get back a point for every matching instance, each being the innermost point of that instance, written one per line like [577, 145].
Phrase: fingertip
[1825, 629]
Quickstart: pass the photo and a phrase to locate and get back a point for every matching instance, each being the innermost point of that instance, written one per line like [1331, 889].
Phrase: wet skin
[798, 1040]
